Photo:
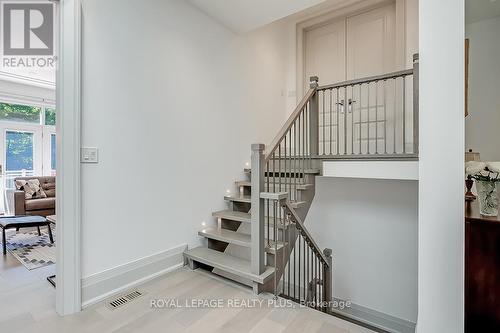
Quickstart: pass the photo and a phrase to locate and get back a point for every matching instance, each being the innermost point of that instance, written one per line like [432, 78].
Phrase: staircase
[261, 240]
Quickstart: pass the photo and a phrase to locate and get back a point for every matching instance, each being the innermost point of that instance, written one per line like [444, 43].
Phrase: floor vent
[124, 299]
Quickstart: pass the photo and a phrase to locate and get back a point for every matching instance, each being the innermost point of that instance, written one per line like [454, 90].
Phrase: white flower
[473, 168]
[493, 166]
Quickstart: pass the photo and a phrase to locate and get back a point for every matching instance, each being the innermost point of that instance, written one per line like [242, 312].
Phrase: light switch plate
[90, 155]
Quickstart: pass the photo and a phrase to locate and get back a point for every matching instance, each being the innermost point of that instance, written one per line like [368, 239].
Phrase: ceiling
[478, 10]
[244, 15]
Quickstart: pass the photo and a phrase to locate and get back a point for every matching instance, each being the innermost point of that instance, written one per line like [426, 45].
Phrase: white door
[325, 53]
[371, 43]
[352, 47]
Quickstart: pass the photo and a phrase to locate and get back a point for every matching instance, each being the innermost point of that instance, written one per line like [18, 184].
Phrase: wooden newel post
[415, 103]
[314, 118]
[257, 211]
[327, 276]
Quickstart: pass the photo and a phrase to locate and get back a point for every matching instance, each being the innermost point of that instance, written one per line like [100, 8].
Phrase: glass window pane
[50, 116]
[53, 151]
[19, 151]
[22, 113]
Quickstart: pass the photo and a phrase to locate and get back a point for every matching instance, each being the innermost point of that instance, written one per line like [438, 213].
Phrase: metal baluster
[275, 213]
[266, 203]
[330, 123]
[385, 117]
[279, 166]
[368, 120]
[295, 161]
[307, 272]
[303, 143]
[323, 107]
[352, 120]
[290, 163]
[376, 117]
[345, 120]
[360, 112]
[404, 114]
[304, 260]
[294, 261]
[394, 111]
[338, 124]
[289, 249]
[317, 279]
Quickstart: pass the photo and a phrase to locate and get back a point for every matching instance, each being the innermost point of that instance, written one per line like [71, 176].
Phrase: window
[20, 113]
[50, 116]
[53, 152]
[19, 151]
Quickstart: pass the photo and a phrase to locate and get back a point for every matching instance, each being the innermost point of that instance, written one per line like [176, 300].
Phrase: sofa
[42, 206]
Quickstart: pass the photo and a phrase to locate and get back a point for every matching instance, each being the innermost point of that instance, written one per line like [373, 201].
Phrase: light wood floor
[27, 305]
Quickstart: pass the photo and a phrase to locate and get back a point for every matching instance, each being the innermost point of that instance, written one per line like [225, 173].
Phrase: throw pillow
[31, 188]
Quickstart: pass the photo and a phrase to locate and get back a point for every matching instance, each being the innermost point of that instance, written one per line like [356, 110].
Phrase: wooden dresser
[482, 271]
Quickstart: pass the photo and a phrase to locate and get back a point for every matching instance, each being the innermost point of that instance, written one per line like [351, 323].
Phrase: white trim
[100, 286]
[26, 80]
[343, 10]
[68, 202]
[395, 170]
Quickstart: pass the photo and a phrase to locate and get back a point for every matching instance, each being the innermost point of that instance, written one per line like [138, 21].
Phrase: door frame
[68, 185]
[346, 9]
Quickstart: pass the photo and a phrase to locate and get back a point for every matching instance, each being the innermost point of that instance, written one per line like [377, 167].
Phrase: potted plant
[486, 175]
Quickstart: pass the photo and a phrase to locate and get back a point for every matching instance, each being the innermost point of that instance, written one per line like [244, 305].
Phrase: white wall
[173, 101]
[481, 125]
[441, 201]
[371, 227]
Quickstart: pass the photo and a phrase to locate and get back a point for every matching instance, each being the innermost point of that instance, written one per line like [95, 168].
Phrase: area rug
[31, 250]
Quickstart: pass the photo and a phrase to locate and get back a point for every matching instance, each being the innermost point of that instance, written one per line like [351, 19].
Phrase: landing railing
[374, 117]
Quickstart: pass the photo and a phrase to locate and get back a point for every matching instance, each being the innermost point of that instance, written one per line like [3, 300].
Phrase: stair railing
[303, 273]
[281, 169]
[364, 118]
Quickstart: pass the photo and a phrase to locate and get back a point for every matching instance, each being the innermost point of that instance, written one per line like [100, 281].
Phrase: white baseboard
[100, 286]
[374, 319]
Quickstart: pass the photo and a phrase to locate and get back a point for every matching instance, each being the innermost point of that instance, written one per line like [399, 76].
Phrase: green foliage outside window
[23, 113]
[50, 116]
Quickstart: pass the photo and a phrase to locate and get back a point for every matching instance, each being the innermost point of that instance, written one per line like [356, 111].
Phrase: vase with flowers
[487, 177]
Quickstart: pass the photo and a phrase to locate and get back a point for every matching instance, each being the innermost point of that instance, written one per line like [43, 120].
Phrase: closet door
[371, 42]
[371, 50]
[325, 53]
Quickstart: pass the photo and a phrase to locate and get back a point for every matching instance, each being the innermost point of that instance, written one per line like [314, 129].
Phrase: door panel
[371, 43]
[325, 53]
[371, 50]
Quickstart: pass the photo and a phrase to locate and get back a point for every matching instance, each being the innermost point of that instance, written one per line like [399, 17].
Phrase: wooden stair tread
[228, 263]
[298, 204]
[311, 171]
[234, 237]
[300, 187]
[233, 215]
[242, 217]
[238, 198]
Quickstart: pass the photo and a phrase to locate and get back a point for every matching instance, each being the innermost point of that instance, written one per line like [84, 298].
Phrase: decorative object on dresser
[487, 176]
[469, 182]
[482, 271]
[29, 201]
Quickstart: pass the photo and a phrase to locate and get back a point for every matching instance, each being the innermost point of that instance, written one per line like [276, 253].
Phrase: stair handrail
[291, 120]
[305, 233]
